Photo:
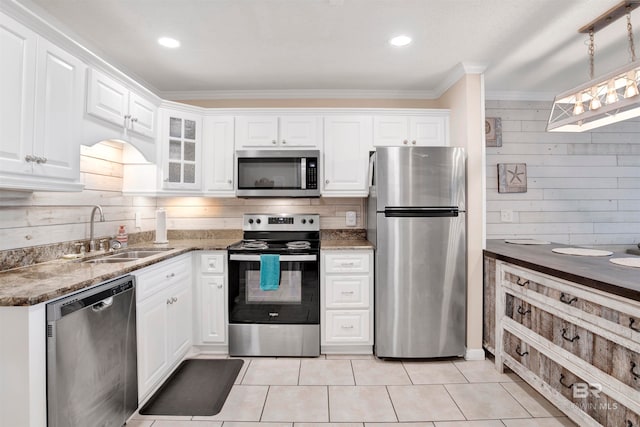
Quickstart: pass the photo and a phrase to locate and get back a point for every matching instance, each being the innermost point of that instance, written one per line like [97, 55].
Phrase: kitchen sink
[127, 255]
[108, 260]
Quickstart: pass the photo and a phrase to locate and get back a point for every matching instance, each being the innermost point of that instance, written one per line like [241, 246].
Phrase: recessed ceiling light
[168, 42]
[399, 41]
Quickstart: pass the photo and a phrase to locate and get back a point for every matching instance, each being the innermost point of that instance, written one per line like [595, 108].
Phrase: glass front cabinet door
[182, 150]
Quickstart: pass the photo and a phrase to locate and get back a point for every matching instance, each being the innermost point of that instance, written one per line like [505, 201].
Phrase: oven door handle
[284, 258]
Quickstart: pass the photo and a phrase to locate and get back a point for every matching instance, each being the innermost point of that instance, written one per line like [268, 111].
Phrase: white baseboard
[474, 354]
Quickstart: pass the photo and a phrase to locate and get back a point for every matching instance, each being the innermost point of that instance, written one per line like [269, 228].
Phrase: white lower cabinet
[211, 306]
[164, 319]
[346, 289]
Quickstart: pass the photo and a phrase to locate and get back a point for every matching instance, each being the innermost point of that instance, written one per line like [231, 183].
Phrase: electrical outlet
[506, 215]
[350, 218]
[138, 220]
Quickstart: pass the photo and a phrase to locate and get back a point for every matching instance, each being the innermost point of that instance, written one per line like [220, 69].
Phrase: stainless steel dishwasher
[91, 356]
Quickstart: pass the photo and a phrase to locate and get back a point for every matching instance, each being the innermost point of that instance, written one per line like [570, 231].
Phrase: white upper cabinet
[218, 143]
[111, 101]
[346, 157]
[181, 146]
[277, 132]
[429, 130]
[41, 112]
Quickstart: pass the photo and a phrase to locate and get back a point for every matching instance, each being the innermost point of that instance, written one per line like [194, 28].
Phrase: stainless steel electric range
[283, 320]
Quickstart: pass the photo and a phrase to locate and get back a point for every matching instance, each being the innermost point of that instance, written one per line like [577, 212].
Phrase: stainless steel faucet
[92, 244]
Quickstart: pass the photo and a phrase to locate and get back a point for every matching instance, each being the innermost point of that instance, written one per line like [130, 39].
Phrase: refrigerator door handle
[398, 212]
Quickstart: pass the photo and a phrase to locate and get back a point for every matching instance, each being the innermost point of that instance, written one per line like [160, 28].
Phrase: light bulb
[612, 95]
[579, 107]
[632, 87]
[595, 101]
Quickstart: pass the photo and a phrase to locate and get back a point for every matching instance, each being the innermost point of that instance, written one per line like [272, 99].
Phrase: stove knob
[310, 221]
[250, 221]
[304, 221]
[258, 221]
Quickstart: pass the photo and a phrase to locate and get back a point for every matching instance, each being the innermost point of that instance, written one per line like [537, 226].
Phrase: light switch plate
[350, 219]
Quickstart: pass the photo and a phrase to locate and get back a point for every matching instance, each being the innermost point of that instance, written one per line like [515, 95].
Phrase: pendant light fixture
[611, 98]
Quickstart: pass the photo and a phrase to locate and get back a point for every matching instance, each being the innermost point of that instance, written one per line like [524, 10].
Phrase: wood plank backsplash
[583, 188]
[51, 217]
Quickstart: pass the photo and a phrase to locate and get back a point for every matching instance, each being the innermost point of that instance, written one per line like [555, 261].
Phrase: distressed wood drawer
[610, 357]
[607, 311]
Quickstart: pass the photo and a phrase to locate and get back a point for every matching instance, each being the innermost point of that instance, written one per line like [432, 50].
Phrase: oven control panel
[281, 222]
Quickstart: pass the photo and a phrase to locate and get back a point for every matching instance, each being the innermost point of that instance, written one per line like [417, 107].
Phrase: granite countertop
[339, 244]
[42, 282]
[38, 283]
[594, 272]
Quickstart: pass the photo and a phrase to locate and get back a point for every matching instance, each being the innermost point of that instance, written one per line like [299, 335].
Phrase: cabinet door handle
[134, 119]
[405, 142]
[564, 332]
[327, 181]
[127, 116]
[565, 299]
[635, 374]
[519, 282]
[169, 276]
[169, 301]
[413, 142]
[229, 181]
[631, 322]
[219, 286]
[518, 352]
[523, 312]
[274, 142]
[284, 142]
[174, 299]
[29, 158]
[562, 382]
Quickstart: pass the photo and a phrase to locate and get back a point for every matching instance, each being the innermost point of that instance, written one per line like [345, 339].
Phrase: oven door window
[275, 173]
[296, 301]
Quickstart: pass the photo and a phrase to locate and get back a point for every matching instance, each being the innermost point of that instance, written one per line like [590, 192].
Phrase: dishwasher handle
[102, 305]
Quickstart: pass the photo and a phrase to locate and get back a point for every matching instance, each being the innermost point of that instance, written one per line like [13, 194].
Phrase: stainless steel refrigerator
[416, 218]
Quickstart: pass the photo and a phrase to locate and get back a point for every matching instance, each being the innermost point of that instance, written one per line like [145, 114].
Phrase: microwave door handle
[303, 173]
[284, 258]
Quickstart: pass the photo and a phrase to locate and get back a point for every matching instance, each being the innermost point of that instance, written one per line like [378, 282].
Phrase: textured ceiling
[530, 48]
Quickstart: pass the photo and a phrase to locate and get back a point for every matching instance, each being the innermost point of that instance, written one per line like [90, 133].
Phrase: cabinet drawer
[346, 262]
[152, 279]
[592, 399]
[347, 326]
[212, 262]
[347, 291]
[604, 310]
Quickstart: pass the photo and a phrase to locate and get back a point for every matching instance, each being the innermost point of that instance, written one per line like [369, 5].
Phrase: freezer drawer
[420, 288]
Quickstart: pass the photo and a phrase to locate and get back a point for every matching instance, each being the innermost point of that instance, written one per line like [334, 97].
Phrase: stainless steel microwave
[281, 173]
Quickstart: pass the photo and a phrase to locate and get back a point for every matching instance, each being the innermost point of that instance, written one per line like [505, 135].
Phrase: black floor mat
[196, 387]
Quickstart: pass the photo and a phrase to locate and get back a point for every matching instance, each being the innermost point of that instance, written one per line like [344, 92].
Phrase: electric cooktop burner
[254, 244]
[300, 244]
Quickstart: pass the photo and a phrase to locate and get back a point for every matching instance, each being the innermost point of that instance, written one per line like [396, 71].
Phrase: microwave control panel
[312, 173]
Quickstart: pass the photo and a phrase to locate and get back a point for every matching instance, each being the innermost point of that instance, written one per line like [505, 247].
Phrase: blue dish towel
[269, 272]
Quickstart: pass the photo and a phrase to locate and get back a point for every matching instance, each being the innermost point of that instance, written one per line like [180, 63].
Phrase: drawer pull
[519, 353]
[633, 372]
[347, 264]
[346, 326]
[169, 276]
[522, 283]
[631, 322]
[564, 331]
[563, 298]
[562, 382]
[523, 312]
[347, 292]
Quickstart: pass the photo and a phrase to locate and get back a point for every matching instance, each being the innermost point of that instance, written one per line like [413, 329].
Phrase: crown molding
[457, 73]
[298, 94]
[506, 95]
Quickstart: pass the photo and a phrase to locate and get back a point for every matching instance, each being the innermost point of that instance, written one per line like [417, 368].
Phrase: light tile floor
[362, 391]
